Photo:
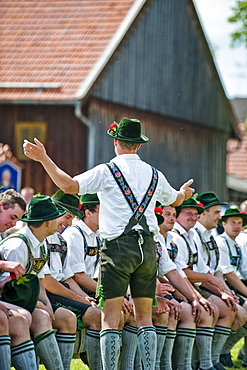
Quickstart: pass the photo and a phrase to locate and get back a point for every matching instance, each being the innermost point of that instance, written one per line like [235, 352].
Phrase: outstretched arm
[37, 152]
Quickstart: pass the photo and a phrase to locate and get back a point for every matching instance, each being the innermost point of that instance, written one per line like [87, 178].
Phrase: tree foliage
[239, 17]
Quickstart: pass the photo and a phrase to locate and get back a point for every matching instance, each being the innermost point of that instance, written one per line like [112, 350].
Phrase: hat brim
[241, 215]
[49, 217]
[199, 209]
[68, 208]
[216, 203]
[140, 140]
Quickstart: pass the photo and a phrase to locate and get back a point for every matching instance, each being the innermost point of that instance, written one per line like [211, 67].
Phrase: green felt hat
[23, 292]
[209, 199]
[192, 203]
[127, 130]
[42, 208]
[70, 202]
[86, 199]
[233, 212]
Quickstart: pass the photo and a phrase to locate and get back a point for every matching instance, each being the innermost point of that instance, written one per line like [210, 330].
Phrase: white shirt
[115, 212]
[205, 234]
[77, 260]
[224, 241]
[182, 259]
[165, 263]
[56, 269]
[15, 249]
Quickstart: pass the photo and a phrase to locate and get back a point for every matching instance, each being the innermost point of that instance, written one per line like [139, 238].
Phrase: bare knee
[41, 322]
[92, 318]
[65, 321]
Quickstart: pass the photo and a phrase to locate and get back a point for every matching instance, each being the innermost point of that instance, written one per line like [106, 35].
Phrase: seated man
[60, 283]
[27, 247]
[15, 342]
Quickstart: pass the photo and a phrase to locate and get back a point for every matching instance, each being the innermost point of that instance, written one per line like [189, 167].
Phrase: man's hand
[14, 267]
[163, 288]
[207, 305]
[35, 151]
[175, 309]
[187, 190]
[162, 305]
[230, 301]
[196, 311]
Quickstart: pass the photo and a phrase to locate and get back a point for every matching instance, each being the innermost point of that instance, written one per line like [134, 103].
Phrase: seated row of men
[200, 309]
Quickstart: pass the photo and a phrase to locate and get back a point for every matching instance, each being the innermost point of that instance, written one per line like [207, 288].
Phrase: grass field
[78, 364]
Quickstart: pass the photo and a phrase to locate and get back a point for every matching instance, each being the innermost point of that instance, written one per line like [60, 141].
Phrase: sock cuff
[161, 330]
[93, 333]
[65, 337]
[22, 347]
[42, 336]
[200, 330]
[5, 340]
[222, 330]
[130, 328]
[190, 333]
[171, 334]
[110, 331]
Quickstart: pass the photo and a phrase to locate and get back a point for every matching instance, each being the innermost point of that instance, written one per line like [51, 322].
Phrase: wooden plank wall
[66, 140]
[164, 66]
[179, 149]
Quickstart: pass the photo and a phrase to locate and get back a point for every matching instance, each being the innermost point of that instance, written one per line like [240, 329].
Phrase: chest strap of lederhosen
[89, 251]
[34, 264]
[210, 246]
[60, 248]
[138, 209]
[235, 260]
[193, 258]
[173, 252]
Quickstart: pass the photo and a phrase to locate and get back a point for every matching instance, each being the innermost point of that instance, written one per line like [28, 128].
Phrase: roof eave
[89, 81]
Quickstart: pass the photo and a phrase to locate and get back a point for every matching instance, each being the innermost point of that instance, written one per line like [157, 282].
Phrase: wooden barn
[70, 68]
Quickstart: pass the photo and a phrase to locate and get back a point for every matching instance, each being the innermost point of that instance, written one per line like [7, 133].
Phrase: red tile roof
[236, 163]
[54, 41]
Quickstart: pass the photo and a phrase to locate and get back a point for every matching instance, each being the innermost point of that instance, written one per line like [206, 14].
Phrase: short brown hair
[127, 145]
[10, 197]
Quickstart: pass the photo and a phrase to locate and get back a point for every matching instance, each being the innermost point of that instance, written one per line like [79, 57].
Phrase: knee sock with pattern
[93, 349]
[147, 344]
[48, 351]
[5, 354]
[221, 333]
[110, 348]
[23, 356]
[129, 346]
[183, 348]
[166, 357]
[161, 332]
[66, 344]
[204, 338]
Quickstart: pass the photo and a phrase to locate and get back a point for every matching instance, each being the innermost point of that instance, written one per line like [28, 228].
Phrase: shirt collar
[35, 243]
[124, 157]
[204, 232]
[85, 228]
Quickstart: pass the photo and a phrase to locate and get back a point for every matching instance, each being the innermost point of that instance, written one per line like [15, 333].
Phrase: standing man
[128, 189]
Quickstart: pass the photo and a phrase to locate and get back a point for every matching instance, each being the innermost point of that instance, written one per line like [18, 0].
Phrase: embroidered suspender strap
[89, 251]
[34, 264]
[235, 260]
[210, 246]
[138, 209]
[59, 248]
[173, 252]
[193, 258]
